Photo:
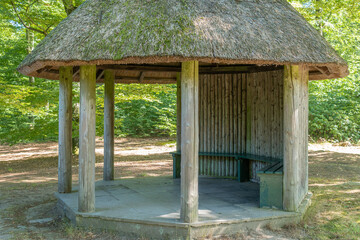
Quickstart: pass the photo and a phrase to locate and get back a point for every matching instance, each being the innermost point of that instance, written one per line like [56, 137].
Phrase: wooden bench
[271, 185]
[241, 158]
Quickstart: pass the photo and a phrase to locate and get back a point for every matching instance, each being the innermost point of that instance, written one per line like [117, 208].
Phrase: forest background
[29, 106]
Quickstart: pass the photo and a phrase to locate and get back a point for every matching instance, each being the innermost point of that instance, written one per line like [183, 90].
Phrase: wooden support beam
[189, 141]
[205, 69]
[76, 71]
[295, 179]
[139, 67]
[145, 80]
[65, 130]
[99, 75]
[324, 70]
[142, 76]
[45, 69]
[87, 138]
[109, 125]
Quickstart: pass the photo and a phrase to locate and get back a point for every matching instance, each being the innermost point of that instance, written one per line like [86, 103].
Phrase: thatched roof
[262, 32]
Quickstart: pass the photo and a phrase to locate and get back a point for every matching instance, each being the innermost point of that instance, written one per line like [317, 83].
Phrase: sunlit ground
[334, 178]
[28, 180]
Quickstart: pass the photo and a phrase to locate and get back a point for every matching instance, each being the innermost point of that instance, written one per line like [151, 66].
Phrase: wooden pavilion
[242, 70]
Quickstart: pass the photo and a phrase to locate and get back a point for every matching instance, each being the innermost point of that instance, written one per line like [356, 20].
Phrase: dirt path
[28, 180]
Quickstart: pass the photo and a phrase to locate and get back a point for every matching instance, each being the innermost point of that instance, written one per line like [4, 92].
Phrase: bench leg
[243, 170]
[176, 166]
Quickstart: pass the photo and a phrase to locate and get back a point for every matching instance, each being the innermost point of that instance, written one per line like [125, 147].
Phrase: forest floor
[28, 180]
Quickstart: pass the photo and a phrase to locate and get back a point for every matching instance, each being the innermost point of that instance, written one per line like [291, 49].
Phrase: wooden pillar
[178, 112]
[109, 76]
[87, 139]
[177, 158]
[65, 130]
[295, 179]
[189, 141]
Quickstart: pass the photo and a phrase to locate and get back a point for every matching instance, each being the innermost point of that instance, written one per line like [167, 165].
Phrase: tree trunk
[30, 46]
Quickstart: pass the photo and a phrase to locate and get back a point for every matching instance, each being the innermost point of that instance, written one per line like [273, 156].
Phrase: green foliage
[151, 113]
[334, 105]
[140, 110]
[28, 111]
[334, 110]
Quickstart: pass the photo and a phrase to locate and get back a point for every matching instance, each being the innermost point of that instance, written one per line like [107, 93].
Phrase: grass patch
[164, 143]
[335, 211]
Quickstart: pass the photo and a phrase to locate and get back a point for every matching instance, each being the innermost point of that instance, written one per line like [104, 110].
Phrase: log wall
[239, 113]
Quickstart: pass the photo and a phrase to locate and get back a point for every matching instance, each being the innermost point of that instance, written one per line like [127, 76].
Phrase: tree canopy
[335, 104]
[28, 108]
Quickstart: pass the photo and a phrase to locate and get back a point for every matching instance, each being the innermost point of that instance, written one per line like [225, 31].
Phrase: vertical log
[254, 100]
[272, 111]
[306, 132]
[267, 124]
[209, 130]
[277, 117]
[189, 141]
[249, 113]
[243, 112]
[65, 130]
[231, 126]
[212, 98]
[223, 127]
[295, 164]
[235, 118]
[87, 139]
[281, 117]
[108, 174]
[258, 117]
[206, 121]
[227, 122]
[201, 125]
[176, 164]
[221, 133]
[178, 112]
[216, 123]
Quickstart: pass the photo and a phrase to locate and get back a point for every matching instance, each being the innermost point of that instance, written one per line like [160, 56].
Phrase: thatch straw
[154, 31]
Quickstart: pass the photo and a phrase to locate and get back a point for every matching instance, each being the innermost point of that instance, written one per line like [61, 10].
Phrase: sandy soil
[334, 148]
[28, 180]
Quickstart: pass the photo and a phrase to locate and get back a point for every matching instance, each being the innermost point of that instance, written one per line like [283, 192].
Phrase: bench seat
[271, 185]
[242, 158]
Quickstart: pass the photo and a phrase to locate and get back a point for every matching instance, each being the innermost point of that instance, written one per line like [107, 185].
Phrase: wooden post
[65, 130]
[108, 173]
[295, 136]
[189, 141]
[177, 162]
[87, 139]
[178, 112]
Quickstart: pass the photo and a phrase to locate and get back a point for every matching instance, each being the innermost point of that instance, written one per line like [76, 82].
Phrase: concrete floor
[157, 199]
